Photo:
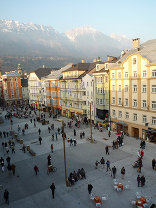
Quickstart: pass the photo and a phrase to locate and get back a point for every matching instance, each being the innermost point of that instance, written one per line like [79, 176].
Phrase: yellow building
[133, 90]
[72, 91]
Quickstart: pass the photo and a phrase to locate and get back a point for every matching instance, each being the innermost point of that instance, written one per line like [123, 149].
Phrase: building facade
[37, 87]
[12, 90]
[133, 90]
[72, 90]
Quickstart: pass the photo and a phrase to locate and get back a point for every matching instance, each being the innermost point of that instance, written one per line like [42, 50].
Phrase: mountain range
[33, 45]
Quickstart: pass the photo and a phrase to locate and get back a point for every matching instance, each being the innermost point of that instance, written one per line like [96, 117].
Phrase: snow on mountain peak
[72, 34]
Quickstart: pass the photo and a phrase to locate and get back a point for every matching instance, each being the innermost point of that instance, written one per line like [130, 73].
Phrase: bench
[32, 152]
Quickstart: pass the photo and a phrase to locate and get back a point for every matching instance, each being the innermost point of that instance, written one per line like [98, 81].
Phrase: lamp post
[91, 134]
[65, 168]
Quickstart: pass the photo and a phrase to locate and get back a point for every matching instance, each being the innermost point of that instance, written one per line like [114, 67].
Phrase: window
[126, 102]
[153, 88]
[134, 74]
[87, 83]
[153, 104]
[144, 73]
[97, 101]
[101, 101]
[144, 119]
[134, 60]
[101, 79]
[134, 88]
[154, 73]
[119, 88]
[120, 114]
[113, 75]
[144, 104]
[91, 93]
[101, 90]
[126, 88]
[113, 100]
[119, 75]
[153, 120]
[106, 79]
[134, 117]
[126, 74]
[87, 93]
[113, 88]
[144, 88]
[127, 115]
[113, 113]
[119, 101]
[134, 103]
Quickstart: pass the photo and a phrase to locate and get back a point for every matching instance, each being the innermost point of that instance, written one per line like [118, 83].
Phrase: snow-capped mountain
[20, 39]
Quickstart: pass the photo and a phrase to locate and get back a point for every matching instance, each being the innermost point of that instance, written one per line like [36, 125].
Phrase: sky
[133, 18]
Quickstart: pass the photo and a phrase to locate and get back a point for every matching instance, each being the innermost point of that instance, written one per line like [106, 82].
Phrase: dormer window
[134, 60]
[97, 67]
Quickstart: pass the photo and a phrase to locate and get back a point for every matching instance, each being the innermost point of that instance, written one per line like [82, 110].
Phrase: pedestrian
[13, 149]
[23, 148]
[90, 187]
[49, 129]
[49, 159]
[71, 142]
[123, 172]
[39, 131]
[142, 153]
[52, 147]
[52, 187]
[74, 132]
[142, 180]
[52, 137]
[109, 133]
[40, 139]
[74, 140]
[56, 135]
[114, 171]
[36, 169]
[107, 150]
[102, 161]
[13, 168]
[34, 124]
[138, 180]
[113, 145]
[153, 163]
[8, 160]
[108, 165]
[6, 196]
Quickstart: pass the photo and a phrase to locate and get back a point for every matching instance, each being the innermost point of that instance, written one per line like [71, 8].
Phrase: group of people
[75, 176]
[10, 167]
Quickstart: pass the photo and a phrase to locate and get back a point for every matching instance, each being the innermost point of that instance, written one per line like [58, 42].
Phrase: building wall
[136, 88]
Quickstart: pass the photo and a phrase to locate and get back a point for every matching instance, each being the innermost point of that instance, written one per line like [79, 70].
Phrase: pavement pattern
[28, 190]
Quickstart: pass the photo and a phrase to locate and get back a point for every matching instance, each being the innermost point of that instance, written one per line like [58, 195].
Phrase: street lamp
[65, 168]
[91, 134]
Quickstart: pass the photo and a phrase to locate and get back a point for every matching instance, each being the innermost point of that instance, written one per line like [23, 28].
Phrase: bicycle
[51, 169]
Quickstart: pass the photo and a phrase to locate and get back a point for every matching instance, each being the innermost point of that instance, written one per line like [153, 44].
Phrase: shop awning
[122, 123]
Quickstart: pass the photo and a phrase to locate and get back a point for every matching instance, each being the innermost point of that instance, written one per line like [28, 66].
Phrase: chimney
[82, 60]
[136, 43]
[122, 53]
[98, 59]
[111, 58]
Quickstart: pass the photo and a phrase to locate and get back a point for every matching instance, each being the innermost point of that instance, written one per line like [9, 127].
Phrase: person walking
[107, 150]
[39, 131]
[52, 147]
[142, 180]
[108, 165]
[153, 163]
[138, 180]
[49, 129]
[6, 196]
[114, 171]
[13, 149]
[8, 160]
[109, 133]
[13, 168]
[122, 172]
[36, 169]
[90, 187]
[52, 187]
[40, 140]
[102, 161]
[56, 135]
[74, 132]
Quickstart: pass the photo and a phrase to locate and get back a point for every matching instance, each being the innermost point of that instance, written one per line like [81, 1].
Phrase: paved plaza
[28, 190]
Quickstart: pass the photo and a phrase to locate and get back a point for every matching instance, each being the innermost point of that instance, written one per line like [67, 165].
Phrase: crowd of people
[75, 176]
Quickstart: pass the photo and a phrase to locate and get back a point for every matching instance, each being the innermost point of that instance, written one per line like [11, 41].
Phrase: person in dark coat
[90, 187]
[107, 150]
[36, 169]
[74, 132]
[153, 163]
[6, 196]
[40, 140]
[52, 187]
[39, 131]
[138, 180]
[142, 180]
[114, 171]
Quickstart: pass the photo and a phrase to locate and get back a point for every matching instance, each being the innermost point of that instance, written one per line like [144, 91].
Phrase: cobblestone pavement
[28, 190]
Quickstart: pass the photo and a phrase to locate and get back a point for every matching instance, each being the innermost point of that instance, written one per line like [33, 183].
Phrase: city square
[28, 190]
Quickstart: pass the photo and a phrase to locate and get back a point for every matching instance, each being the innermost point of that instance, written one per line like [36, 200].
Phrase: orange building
[12, 90]
[53, 96]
